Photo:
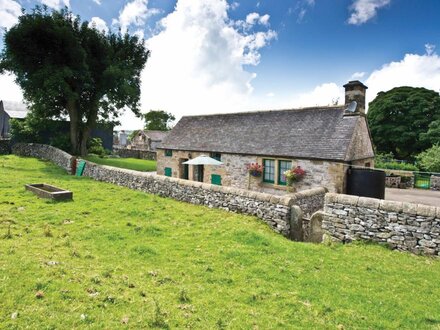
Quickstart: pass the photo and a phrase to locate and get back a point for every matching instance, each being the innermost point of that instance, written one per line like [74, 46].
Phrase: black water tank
[366, 183]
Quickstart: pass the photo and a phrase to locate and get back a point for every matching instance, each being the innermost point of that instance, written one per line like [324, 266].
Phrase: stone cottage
[323, 141]
[148, 140]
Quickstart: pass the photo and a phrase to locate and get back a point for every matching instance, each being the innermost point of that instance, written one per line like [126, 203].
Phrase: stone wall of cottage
[403, 226]
[330, 175]
[5, 146]
[134, 153]
[46, 152]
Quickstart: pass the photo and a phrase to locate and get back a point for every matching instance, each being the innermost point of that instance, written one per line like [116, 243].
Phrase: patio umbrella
[203, 160]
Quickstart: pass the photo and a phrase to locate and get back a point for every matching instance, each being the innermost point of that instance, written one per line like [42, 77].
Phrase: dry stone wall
[403, 226]
[134, 153]
[274, 210]
[435, 182]
[44, 151]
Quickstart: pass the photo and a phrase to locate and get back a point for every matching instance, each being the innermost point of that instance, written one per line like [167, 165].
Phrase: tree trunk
[83, 143]
[74, 127]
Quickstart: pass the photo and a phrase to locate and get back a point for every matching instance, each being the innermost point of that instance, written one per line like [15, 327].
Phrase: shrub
[429, 159]
[95, 147]
[396, 166]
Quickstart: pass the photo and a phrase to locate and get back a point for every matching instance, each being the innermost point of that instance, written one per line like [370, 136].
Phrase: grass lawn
[142, 165]
[116, 258]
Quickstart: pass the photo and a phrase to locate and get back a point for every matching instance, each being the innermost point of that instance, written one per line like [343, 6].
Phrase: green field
[116, 258]
[142, 165]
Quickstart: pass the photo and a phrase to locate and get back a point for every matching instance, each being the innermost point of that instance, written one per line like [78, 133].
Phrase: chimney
[356, 91]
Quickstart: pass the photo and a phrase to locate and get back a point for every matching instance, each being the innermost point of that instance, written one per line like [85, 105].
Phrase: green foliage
[33, 129]
[235, 271]
[158, 120]
[387, 161]
[142, 165]
[429, 160]
[400, 119]
[95, 147]
[67, 69]
[433, 134]
[396, 166]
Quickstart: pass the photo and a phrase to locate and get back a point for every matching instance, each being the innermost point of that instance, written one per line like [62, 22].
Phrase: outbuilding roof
[308, 133]
[156, 135]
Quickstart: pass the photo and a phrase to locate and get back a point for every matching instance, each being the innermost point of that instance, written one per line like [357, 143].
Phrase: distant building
[148, 140]
[8, 111]
[323, 141]
[123, 138]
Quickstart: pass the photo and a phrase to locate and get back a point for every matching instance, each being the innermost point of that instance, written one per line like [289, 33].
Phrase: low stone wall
[5, 146]
[309, 201]
[134, 153]
[435, 182]
[44, 151]
[403, 226]
[392, 181]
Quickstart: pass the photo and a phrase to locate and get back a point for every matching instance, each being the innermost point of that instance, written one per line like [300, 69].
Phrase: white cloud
[430, 49]
[9, 12]
[322, 95]
[98, 2]
[135, 13]
[358, 75]
[364, 10]
[9, 90]
[301, 7]
[197, 61]
[254, 18]
[56, 4]
[413, 70]
[99, 24]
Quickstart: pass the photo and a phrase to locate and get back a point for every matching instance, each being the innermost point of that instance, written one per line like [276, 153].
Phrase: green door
[216, 179]
[168, 171]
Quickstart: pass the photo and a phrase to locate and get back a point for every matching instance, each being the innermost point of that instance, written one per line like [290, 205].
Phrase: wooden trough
[43, 190]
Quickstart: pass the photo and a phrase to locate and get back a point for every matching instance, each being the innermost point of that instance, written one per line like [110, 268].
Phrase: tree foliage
[158, 120]
[68, 70]
[400, 121]
[429, 160]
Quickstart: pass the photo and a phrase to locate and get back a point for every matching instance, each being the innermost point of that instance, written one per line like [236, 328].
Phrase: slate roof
[310, 133]
[156, 135]
[15, 109]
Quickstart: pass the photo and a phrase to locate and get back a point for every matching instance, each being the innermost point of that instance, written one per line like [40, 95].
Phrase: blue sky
[221, 56]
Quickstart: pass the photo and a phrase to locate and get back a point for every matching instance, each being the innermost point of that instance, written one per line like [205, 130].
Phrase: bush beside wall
[5, 146]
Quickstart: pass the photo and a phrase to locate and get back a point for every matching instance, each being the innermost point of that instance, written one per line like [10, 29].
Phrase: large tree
[400, 120]
[67, 69]
[158, 120]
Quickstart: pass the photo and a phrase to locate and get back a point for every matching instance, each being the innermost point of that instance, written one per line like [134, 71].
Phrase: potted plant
[294, 175]
[255, 169]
